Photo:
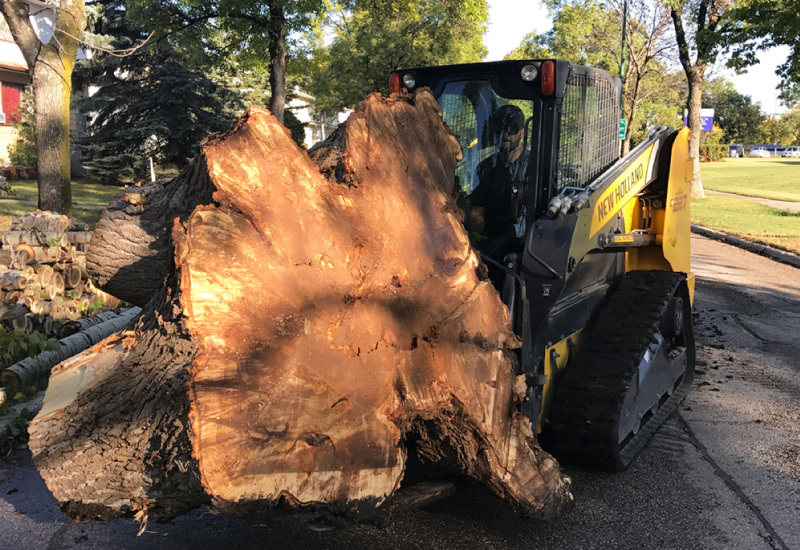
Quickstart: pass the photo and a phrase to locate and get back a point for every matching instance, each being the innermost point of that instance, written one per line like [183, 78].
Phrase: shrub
[15, 346]
[23, 151]
[713, 152]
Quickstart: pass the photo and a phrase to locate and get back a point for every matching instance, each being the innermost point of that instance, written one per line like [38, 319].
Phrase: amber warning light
[394, 83]
[548, 78]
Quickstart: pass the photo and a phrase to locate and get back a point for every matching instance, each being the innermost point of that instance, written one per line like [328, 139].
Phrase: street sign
[622, 123]
[706, 118]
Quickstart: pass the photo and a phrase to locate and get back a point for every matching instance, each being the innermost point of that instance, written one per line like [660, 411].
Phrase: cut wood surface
[314, 328]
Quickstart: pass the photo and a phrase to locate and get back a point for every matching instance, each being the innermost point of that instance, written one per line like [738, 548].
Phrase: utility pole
[623, 65]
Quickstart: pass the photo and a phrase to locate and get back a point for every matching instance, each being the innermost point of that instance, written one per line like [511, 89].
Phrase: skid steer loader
[589, 251]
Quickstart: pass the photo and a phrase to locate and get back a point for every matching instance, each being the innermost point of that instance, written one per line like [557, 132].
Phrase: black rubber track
[588, 399]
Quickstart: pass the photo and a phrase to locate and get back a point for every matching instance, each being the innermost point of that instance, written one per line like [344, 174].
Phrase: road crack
[773, 538]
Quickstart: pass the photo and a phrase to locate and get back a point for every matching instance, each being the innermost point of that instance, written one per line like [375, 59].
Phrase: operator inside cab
[495, 218]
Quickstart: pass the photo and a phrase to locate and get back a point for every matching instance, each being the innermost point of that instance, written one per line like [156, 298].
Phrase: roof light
[529, 73]
[548, 78]
[394, 83]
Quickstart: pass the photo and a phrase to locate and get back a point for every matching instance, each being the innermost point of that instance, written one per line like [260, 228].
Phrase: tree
[50, 65]
[737, 116]
[149, 104]
[588, 32]
[700, 34]
[216, 31]
[373, 38]
[784, 129]
[760, 24]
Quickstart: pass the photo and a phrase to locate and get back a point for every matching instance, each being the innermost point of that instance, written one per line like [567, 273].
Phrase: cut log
[40, 254]
[72, 276]
[77, 226]
[13, 259]
[131, 250]
[30, 253]
[32, 368]
[79, 237]
[40, 220]
[58, 282]
[13, 280]
[10, 298]
[71, 327]
[45, 273]
[34, 238]
[307, 330]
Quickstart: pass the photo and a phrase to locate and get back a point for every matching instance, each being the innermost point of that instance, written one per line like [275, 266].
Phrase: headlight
[529, 73]
[408, 80]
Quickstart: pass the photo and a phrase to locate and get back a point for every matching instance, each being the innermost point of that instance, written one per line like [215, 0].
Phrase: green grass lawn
[90, 194]
[82, 193]
[773, 178]
[749, 220]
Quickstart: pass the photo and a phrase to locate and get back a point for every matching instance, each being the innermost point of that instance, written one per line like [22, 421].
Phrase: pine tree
[150, 104]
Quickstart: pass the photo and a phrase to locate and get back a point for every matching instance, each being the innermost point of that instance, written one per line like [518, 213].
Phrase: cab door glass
[494, 132]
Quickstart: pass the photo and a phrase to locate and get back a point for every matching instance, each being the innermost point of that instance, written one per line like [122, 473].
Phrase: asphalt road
[723, 472]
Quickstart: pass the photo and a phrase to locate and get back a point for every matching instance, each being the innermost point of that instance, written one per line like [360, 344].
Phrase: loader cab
[569, 120]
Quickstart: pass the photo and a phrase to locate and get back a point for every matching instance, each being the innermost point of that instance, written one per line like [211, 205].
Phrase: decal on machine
[621, 190]
[678, 203]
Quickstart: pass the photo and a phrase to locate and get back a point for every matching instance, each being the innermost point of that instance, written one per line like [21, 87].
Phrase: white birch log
[41, 221]
[39, 366]
[34, 238]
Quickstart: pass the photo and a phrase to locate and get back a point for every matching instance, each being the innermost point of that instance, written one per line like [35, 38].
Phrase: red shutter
[11, 99]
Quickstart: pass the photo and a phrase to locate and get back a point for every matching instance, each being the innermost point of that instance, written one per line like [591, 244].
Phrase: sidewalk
[783, 205]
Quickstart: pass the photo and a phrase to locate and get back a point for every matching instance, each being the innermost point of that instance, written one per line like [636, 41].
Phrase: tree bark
[130, 254]
[316, 328]
[695, 104]
[51, 91]
[277, 55]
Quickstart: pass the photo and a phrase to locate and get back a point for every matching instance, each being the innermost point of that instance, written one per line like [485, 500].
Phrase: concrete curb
[758, 248]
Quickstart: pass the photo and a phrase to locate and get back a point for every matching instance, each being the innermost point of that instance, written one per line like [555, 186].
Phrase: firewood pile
[43, 277]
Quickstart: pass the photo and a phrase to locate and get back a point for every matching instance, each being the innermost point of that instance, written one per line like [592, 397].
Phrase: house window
[11, 97]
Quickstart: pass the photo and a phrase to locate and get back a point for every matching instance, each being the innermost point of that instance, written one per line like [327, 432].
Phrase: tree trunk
[130, 254]
[694, 104]
[277, 56]
[52, 88]
[316, 328]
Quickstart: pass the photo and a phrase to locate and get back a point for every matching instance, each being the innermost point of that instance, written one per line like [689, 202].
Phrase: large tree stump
[311, 326]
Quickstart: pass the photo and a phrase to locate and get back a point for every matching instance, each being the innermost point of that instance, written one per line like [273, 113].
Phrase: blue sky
[511, 20]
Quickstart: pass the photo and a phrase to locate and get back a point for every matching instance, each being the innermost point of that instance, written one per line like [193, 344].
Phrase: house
[13, 79]
[317, 125]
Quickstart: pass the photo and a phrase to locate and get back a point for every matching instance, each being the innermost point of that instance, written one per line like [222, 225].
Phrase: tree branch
[16, 14]
[680, 37]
